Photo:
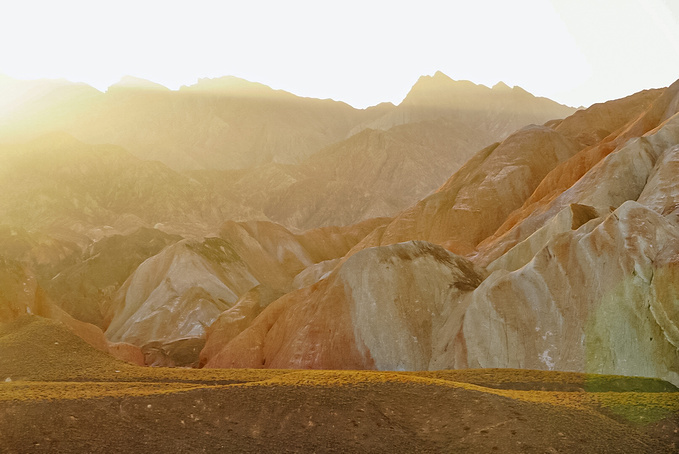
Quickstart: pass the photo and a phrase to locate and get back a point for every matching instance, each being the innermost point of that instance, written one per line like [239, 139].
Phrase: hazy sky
[361, 52]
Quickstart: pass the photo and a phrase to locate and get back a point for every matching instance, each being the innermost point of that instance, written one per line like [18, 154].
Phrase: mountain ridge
[472, 238]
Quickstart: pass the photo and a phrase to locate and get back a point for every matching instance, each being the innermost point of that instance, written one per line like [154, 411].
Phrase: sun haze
[362, 53]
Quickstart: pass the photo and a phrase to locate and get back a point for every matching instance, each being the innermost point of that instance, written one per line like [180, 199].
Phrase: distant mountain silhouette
[227, 122]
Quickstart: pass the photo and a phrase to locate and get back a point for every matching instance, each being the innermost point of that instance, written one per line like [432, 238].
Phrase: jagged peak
[439, 75]
[132, 82]
[501, 86]
[439, 79]
[433, 87]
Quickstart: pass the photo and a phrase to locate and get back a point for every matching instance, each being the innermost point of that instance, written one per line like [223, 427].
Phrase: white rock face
[314, 273]
[619, 177]
[661, 193]
[599, 294]
[586, 281]
[174, 295]
[587, 301]
[380, 309]
[166, 305]
[567, 219]
[397, 295]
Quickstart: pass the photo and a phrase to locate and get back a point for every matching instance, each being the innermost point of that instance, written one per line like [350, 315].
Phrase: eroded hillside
[554, 248]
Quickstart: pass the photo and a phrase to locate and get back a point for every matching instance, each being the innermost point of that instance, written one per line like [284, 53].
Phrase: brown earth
[393, 416]
[80, 400]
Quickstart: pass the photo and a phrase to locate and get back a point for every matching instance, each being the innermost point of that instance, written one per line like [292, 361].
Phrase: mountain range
[153, 253]
[229, 225]
[257, 153]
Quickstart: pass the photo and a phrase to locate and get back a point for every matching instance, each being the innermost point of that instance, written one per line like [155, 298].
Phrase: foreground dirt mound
[38, 348]
[59, 394]
[320, 411]
[22, 296]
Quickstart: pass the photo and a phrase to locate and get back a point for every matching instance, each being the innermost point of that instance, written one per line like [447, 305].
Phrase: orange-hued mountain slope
[570, 236]
[467, 227]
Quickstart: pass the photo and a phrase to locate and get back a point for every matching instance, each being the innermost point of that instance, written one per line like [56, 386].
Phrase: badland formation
[500, 255]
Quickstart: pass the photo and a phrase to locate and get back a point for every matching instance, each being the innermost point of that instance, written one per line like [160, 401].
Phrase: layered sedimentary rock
[85, 288]
[166, 305]
[235, 320]
[475, 201]
[174, 295]
[379, 310]
[555, 248]
[314, 273]
[588, 300]
[587, 282]
[277, 256]
[644, 112]
[584, 280]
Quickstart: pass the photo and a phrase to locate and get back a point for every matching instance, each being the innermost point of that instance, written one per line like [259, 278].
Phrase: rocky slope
[85, 288]
[583, 280]
[555, 248]
[379, 310]
[172, 296]
[170, 300]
